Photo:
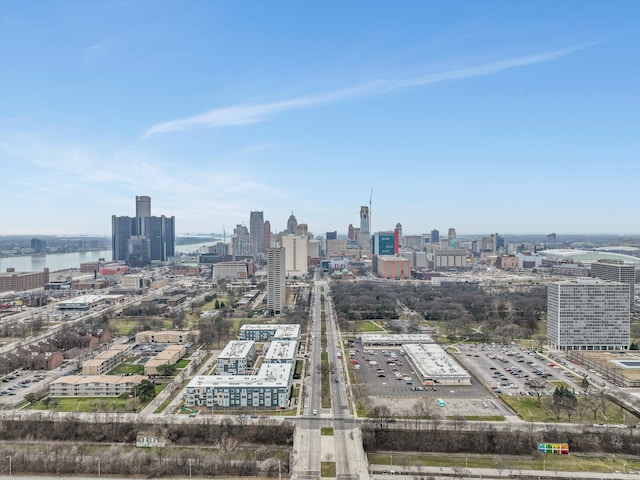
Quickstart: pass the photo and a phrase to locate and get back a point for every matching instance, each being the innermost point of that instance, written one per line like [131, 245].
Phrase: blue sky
[486, 116]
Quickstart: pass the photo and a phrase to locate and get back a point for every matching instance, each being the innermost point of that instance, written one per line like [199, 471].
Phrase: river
[64, 261]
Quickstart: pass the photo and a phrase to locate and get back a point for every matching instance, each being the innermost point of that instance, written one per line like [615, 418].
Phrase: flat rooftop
[281, 350]
[432, 362]
[270, 375]
[239, 349]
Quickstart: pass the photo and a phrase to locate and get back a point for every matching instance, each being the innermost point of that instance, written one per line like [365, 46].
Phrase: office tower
[138, 251]
[256, 229]
[143, 210]
[499, 242]
[332, 235]
[302, 229]
[351, 233]
[588, 314]
[296, 254]
[161, 236]
[292, 224]
[122, 229]
[383, 243]
[435, 236]
[267, 234]
[451, 237]
[143, 238]
[276, 280]
[242, 242]
[38, 246]
[551, 239]
[617, 271]
[364, 228]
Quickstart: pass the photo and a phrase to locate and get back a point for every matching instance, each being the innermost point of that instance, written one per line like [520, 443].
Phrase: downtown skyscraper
[144, 238]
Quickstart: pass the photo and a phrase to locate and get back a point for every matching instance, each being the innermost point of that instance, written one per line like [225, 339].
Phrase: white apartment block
[236, 357]
[94, 386]
[271, 387]
[266, 332]
[296, 248]
[588, 314]
[282, 351]
[616, 271]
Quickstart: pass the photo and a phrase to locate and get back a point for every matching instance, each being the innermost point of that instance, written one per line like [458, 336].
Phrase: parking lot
[511, 370]
[391, 381]
[16, 385]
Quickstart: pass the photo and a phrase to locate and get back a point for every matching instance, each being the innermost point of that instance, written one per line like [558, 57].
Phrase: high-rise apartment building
[617, 271]
[296, 254]
[242, 242]
[351, 233]
[256, 230]
[276, 280]
[588, 314]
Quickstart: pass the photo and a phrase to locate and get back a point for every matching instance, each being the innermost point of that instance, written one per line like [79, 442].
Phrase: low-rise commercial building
[434, 365]
[83, 302]
[393, 340]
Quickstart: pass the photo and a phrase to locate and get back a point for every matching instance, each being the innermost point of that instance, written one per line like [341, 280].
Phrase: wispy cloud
[245, 114]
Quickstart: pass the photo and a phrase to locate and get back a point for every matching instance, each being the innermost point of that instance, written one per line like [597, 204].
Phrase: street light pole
[98, 460]
[189, 468]
[9, 457]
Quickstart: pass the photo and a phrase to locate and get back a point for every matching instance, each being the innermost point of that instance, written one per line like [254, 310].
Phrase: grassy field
[560, 463]
[529, 409]
[127, 368]
[182, 363]
[328, 469]
[369, 326]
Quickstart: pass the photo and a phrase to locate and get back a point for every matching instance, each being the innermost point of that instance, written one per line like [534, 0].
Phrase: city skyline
[488, 117]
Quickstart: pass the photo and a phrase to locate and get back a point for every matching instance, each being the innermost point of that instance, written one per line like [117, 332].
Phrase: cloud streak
[246, 114]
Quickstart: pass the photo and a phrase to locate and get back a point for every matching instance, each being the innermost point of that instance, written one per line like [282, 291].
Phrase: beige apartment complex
[94, 386]
[169, 356]
[106, 361]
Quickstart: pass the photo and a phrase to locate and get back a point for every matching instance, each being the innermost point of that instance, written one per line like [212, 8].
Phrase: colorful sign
[558, 448]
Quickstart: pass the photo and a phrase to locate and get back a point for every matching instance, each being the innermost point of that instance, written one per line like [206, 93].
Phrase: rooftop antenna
[370, 224]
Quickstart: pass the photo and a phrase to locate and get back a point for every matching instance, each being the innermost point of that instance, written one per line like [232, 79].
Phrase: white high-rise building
[296, 254]
[588, 314]
[276, 280]
[617, 271]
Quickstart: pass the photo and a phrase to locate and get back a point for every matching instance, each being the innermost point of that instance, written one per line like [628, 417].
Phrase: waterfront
[65, 261]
